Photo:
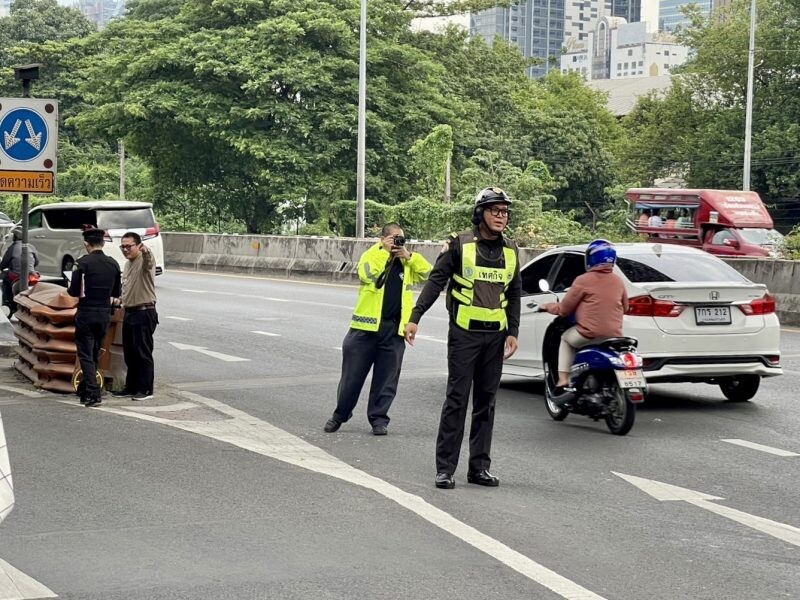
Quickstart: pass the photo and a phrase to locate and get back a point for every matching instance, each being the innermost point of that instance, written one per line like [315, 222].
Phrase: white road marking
[337, 347]
[15, 585]
[211, 353]
[179, 318]
[267, 333]
[250, 433]
[431, 339]
[665, 492]
[762, 448]
[271, 318]
[166, 408]
[23, 391]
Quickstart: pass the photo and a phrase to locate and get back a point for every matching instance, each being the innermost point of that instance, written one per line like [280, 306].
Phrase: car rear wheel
[740, 388]
[556, 413]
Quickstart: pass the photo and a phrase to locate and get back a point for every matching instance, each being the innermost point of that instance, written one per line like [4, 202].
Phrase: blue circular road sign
[23, 134]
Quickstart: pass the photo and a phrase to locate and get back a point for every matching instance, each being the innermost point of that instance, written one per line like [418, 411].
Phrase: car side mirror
[544, 285]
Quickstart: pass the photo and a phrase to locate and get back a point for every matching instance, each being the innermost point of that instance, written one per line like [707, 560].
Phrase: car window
[70, 218]
[538, 269]
[35, 219]
[571, 266]
[128, 218]
[650, 267]
[722, 235]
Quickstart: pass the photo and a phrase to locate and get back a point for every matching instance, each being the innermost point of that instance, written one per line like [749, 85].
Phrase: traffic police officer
[387, 270]
[481, 271]
[95, 281]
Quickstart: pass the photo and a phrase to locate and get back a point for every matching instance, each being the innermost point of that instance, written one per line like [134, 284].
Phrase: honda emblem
[714, 295]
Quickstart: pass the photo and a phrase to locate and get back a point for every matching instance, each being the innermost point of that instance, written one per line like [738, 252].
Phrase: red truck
[721, 222]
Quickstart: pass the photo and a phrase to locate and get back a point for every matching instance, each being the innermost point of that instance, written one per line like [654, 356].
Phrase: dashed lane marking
[179, 318]
[267, 333]
[761, 447]
[250, 433]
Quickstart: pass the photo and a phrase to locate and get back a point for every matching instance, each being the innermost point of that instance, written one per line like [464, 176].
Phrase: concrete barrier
[336, 259]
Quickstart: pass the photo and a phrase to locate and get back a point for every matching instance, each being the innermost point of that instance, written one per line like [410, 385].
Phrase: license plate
[712, 315]
[630, 378]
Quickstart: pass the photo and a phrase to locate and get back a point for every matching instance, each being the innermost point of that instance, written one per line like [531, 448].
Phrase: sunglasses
[126, 246]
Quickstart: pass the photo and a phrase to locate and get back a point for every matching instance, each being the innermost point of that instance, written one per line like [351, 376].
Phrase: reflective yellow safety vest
[481, 291]
[369, 306]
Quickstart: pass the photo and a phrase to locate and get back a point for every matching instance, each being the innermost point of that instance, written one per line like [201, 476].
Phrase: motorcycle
[606, 375]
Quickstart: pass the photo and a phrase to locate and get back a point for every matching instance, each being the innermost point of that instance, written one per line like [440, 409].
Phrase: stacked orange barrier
[45, 329]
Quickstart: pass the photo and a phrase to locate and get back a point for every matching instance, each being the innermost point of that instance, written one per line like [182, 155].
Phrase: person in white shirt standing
[139, 301]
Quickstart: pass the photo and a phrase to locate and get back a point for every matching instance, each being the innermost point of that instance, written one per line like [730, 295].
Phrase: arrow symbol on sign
[211, 353]
[11, 138]
[665, 492]
[35, 139]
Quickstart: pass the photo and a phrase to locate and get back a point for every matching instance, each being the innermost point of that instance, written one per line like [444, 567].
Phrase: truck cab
[721, 222]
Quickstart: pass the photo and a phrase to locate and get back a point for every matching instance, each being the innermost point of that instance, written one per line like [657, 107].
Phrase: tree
[431, 161]
[256, 101]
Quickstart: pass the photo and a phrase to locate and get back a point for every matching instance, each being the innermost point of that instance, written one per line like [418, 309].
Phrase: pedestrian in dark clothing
[387, 270]
[95, 281]
[141, 318]
[481, 271]
[12, 260]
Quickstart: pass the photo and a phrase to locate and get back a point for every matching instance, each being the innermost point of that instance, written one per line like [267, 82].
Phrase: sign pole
[27, 75]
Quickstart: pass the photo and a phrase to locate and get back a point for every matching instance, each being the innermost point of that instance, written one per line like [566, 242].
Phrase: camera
[399, 241]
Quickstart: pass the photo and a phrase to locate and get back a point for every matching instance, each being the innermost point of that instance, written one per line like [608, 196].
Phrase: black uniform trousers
[474, 360]
[382, 351]
[138, 328]
[91, 325]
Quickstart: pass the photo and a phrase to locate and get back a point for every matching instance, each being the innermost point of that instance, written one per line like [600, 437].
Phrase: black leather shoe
[483, 477]
[379, 430]
[332, 425]
[93, 402]
[445, 481]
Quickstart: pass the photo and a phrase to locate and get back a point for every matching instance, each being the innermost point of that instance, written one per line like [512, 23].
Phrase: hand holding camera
[399, 247]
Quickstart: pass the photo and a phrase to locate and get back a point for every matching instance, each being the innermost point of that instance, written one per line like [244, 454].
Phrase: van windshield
[760, 236]
[128, 218]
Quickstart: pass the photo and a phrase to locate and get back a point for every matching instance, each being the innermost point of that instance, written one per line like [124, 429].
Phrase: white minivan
[55, 231]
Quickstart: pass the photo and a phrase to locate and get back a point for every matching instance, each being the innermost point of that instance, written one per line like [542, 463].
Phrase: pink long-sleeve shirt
[599, 300]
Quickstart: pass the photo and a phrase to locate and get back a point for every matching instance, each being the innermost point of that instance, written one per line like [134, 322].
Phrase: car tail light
[760, 306]
[648, 362]
[774, 360]
[631, 360]
[151, 232]
[647, 306]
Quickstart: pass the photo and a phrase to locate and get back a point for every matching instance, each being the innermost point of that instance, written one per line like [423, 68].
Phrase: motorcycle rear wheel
[622, 412]
[556, 413]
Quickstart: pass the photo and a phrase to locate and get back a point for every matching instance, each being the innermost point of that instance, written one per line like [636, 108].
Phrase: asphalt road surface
[225, 486]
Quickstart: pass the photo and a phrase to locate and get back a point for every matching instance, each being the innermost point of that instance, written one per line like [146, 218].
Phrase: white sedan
[697, 319]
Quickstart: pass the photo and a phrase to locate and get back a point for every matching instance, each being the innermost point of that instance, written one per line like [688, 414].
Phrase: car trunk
[706, 308]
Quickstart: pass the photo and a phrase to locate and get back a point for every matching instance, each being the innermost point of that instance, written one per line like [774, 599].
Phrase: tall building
[581, 16]
[99, 11]
[535, 26]
[671, 17]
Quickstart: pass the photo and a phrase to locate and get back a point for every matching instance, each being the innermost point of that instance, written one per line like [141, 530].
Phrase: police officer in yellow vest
[387, 271]
[481, 271]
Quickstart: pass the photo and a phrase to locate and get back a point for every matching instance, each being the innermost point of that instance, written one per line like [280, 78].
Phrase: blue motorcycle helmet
[600, 252]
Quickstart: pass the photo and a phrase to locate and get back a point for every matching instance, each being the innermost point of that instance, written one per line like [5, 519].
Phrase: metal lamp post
[362, 121]
[748, 124]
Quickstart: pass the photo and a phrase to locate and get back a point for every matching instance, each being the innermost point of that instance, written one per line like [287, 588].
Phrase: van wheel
[740, 388]
[66, 265]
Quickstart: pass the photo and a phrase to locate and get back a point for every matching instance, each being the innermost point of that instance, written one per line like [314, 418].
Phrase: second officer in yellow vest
[387, 272]
[481, 271]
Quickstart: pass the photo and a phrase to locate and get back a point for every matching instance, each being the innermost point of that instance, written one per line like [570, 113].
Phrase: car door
[38, 234]
[527, 361]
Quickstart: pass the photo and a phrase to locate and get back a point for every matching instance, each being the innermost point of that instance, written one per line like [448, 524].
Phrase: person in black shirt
[387, 272]
[95, 281]
[481, 271]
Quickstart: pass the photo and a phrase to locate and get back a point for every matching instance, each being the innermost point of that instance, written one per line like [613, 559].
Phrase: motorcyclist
[598, 300]
[12, 261]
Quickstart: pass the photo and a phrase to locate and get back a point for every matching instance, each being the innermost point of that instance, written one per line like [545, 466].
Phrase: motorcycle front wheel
[621, 412]
[556, 413]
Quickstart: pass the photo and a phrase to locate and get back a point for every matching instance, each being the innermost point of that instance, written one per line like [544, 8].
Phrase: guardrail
[336, 259]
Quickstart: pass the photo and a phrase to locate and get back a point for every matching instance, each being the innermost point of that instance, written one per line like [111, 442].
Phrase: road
[225, 486]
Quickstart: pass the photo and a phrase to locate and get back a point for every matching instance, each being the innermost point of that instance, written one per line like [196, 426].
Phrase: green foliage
[791, 244]
[697, 130]
[431, 159]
